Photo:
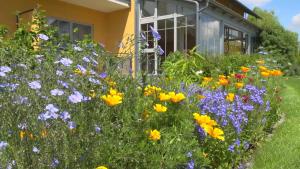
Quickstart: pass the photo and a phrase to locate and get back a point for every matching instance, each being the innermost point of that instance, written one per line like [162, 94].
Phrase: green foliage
[281, 43]
[191, 67]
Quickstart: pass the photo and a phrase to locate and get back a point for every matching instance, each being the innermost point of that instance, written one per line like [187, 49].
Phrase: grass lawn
[283, 150]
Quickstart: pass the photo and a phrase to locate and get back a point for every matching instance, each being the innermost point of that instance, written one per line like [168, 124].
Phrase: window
[175, 21]
[235, 41]
[74, 31]
[186, 32]
[148, 8]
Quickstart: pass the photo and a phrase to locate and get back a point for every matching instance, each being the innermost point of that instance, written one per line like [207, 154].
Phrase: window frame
[154, 19]
[245, 39]
[72, 22]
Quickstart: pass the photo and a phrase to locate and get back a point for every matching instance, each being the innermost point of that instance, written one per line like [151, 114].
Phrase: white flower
[35, 150]
[77, 48]
[199, 72]
[43, 36]
[59, 73]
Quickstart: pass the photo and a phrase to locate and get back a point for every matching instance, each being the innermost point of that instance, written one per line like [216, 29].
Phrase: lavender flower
[103, 75]
[231, 148]
[143, 36]
[65, 61]
[191, 164]
[65, 116]
[155, 34]
[43, 36]
[71, 125]
[56, 92]
[35, 85]
[2, 74]
[3, 145]
[64, 84]
[54, 163]
[160, 50]
[5, 69]
[51, 108]
[82, 69]
[86, 59]
[189, 154]
[76, 97]
[268, 107]
[95, 81]
[97, 129]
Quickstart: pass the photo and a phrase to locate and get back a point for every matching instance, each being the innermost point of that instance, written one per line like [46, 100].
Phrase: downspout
[198, 11]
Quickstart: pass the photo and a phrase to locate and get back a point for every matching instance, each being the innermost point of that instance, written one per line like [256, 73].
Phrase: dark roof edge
[233, 13]
[249, 11]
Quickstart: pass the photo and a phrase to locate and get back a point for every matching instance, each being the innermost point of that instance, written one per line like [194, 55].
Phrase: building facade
[216, 27]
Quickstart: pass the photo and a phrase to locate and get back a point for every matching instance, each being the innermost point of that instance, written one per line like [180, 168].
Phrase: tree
[275, 39]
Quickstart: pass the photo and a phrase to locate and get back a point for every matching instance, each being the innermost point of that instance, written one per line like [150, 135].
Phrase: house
[215, 26]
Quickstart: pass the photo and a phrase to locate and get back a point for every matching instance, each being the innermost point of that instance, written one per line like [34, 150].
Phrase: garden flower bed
[61, 109]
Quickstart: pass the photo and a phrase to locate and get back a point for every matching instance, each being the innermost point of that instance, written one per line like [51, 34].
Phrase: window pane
[166, 7]
[145, 29]
[148, 7]
[235, 41]
[63, 27]
[186, 33]
[80, 31]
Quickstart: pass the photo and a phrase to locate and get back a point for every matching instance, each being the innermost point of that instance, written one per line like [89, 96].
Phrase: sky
[288, 11]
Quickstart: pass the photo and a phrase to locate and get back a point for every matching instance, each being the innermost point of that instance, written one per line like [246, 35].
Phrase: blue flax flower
[35, 85]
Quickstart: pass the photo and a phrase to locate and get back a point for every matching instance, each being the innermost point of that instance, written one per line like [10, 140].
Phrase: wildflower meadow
[66, 105]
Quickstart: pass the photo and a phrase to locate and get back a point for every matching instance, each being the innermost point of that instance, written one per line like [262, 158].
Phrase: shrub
[65, 105]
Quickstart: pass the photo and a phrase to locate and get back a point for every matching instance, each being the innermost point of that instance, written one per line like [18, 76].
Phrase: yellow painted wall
[108, 28]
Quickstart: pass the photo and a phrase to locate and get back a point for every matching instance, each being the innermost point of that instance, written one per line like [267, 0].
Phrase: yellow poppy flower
[223, 82]
[207, 128]
[245, 69]
[101, 167]
[160, 108]
[176, 98]
[164, 97]
[115, 92]
[154, 135]
[112, 100]
[265, 74]
[239, 85]
[276, 73]
[262, 68]
[230, 97]
[216, 133]
[150, 90]
[22, 134]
